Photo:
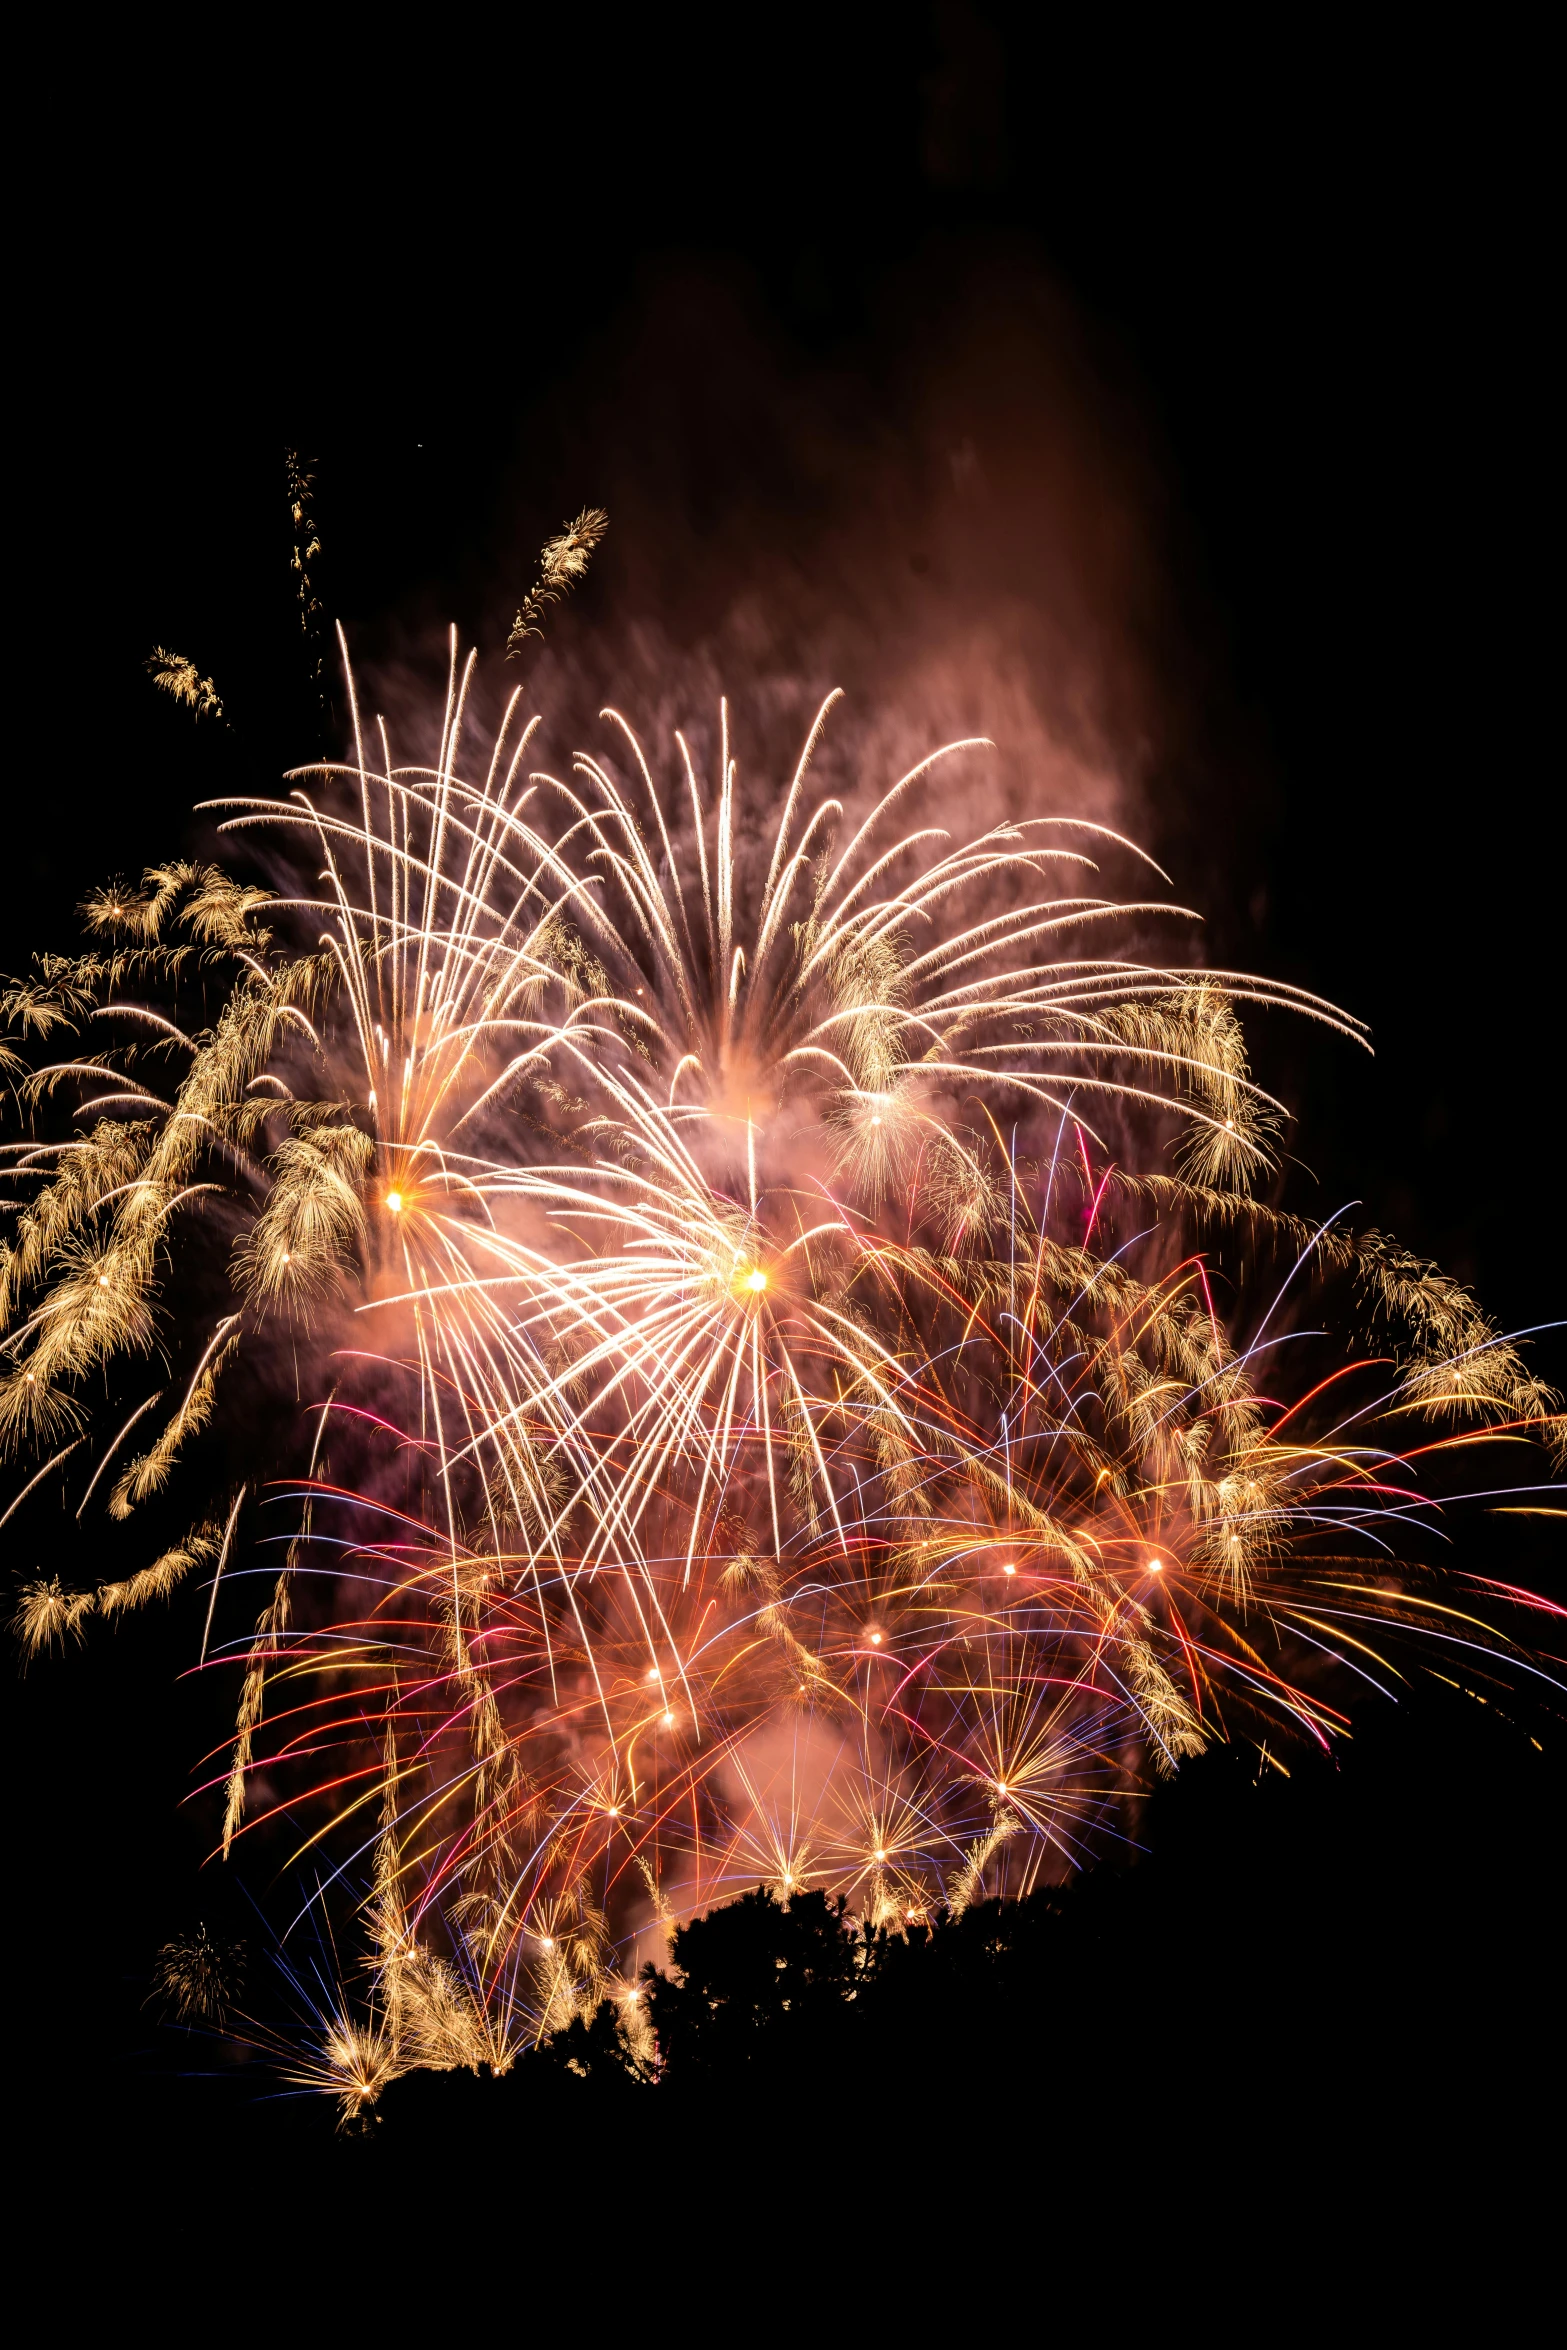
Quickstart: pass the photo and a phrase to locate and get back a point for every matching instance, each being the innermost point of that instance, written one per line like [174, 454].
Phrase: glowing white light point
[756, 1281]
[394, 1201]
[875, 1640]
[1009, 1569]
[1156, 1566]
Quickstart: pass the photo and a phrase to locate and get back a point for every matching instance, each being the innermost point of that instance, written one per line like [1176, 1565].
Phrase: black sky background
[1307, 290]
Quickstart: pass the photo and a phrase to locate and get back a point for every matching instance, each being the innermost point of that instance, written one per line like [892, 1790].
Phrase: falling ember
[564, 1418]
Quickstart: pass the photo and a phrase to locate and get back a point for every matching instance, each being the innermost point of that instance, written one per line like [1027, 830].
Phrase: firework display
[734, 1283]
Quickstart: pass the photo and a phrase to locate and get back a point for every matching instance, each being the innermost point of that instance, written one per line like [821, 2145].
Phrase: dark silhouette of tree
[591, 2050]
[1285, 1953]
[754, 1984]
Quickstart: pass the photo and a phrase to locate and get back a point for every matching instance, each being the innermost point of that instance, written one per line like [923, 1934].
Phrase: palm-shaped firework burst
[770, 1417]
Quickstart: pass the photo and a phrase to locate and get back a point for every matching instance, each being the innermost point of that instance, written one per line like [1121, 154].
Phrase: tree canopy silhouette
[1403, 1952]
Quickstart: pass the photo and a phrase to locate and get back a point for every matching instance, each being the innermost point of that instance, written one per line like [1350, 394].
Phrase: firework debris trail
[771, 1417]
[173, 674]
[563, 561]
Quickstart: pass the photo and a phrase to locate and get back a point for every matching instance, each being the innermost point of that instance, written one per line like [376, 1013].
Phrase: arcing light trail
[732, 1455]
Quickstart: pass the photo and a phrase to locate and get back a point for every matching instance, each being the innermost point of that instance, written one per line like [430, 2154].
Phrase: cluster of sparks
[767, 1415]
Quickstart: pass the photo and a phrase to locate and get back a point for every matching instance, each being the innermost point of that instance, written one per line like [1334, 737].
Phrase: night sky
[1294, 301]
